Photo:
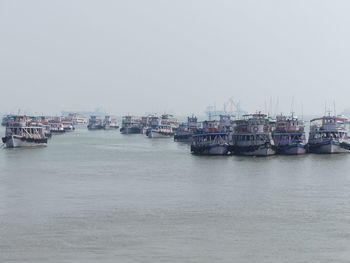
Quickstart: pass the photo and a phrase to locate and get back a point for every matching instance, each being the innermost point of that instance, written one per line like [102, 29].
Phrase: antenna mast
[302, 111]
[292, 105]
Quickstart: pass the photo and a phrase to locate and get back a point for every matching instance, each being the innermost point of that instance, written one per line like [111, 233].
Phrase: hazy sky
[137, 56]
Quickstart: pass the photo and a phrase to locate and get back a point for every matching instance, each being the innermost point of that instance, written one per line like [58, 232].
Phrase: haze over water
[173, 56]
[99, 196]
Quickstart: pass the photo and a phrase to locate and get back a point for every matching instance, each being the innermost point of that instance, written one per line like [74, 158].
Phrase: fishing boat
[41, 122]
[211, 126]
[253, 136]
[289, 135]
[47, 130]
[110, 123]
[226, 123]
[130, 125]
[168, 119]
[153, 123]
[95, 123]
[145, 123]
[19, 134]
[76, 119]
[210, 144]
[328, 134]
[68, 126]
[161, 131]
[56, 126]
[7, 119]
[185, 131]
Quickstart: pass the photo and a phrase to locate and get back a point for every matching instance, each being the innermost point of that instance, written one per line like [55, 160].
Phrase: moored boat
[145, 123]
[328, 134]
[77, 119]
[161, 131]
[7, 119]
[19, 134]
[185, 131]
[210, 144]
[168, 119]
[226, 123]
[42, 122]
[56, 127]
[289, 135]
[110, 123]
[252, 136]
[130, 125]
[68, 126]
[95, 123]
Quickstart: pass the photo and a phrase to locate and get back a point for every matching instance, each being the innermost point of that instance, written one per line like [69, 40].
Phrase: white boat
[19, 134]
[252, 136]
[76, 119]
[68, 126]
[110, 123]
[56, 127]
[168, 119]
[328, 134]
[161, 131]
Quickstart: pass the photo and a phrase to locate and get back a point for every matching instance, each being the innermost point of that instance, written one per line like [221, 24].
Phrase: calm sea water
[99, 196]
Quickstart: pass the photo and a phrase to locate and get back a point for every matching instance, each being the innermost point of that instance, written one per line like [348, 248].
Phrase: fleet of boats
[108, 123]
[250, 135]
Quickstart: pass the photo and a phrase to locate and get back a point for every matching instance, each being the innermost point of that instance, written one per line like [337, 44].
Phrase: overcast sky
[137, 56]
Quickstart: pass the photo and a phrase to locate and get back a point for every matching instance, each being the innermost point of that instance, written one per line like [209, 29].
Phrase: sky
[179, 56]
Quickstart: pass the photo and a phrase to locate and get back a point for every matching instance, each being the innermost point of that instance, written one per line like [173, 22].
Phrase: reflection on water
[104, 197]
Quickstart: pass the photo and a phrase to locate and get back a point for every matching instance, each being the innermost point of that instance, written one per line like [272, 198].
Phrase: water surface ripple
[99, 196]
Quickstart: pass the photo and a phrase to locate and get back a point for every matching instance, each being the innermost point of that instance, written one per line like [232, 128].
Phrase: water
[99, 196]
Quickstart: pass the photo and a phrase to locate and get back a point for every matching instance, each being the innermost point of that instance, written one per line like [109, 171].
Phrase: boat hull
[156, 134]
[132, 130]
[292, 149]
[94, 127]
[254, 151]
[183, 138]
[57, 131]
[210, 150]
[69, 129]
[329, 148]
[106, 127]
[18, 141]
[259, 152]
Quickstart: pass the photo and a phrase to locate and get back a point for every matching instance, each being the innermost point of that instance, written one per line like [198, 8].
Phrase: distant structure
[230, 108]
[99, 112]
[346, 112]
